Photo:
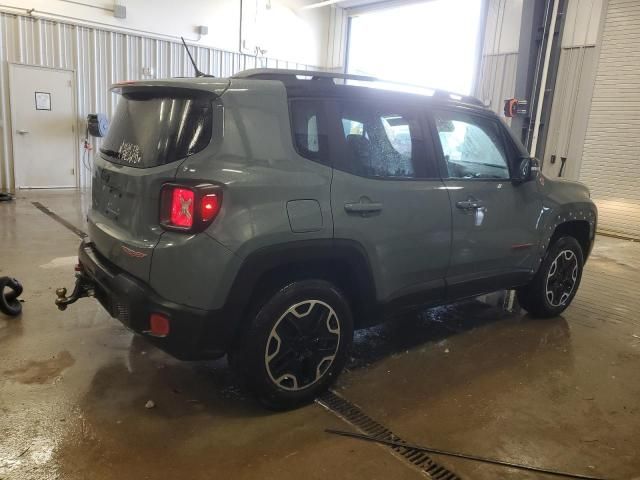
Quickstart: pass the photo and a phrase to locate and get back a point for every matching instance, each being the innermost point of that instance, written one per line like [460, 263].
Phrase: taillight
[189, 208]
[182, 207]
[209, 206]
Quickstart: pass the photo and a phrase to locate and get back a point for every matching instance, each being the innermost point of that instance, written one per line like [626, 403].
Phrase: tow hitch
[84, 287]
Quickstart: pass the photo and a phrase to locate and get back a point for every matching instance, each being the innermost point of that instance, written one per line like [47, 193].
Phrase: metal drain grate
[59, 219]
[352, 414]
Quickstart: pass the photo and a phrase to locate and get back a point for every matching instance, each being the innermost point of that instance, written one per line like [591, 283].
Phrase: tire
[9, 303]
[555, 284]
[296, 345]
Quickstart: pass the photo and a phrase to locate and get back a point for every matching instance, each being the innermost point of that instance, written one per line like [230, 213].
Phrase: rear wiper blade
[110, 153]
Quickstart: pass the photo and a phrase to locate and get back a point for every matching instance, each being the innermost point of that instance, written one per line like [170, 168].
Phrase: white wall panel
[282, 27]
[570, 111]
[497, 80]
[497, 75]
[98, 58]
[582, 23]
[502, 32]
[337, 41]
[611, 156]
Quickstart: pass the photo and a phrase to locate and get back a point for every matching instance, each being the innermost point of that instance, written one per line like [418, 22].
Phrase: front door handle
[363, 207]
[22, 132]
[469, 204]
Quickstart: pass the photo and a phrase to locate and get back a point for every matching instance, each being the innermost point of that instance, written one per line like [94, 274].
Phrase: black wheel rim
[561, 278]
[302, 345]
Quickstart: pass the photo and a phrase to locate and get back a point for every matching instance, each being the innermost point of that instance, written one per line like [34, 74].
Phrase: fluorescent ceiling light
[321, 4]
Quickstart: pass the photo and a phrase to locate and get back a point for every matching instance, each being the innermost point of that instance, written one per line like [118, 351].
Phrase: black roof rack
[284, 74]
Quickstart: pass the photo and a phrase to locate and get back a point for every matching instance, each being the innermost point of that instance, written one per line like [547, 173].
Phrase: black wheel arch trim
[261, 262]
[561, 216]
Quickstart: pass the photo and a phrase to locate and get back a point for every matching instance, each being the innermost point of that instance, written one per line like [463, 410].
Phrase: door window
[380, 142]
[472, 146]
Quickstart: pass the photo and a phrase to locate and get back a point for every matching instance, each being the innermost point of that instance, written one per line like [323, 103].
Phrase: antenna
[193, 62]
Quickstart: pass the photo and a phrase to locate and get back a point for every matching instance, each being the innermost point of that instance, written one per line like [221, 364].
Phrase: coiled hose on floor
[9, 302]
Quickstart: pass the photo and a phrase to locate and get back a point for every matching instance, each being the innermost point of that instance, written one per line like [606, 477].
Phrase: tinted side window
[379, 141]
[472, 146]
[308, 127]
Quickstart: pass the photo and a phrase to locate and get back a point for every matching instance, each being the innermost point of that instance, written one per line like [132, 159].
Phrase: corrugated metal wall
[497, 80]
[611, 157]
[573, 89]
[570, 112]
[98, 58]
[498, 65]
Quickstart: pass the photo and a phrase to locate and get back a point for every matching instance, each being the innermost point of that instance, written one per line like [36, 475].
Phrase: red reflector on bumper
[159, 325]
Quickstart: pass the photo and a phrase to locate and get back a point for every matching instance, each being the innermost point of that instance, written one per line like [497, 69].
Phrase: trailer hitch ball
[83, 288]
[61, 294]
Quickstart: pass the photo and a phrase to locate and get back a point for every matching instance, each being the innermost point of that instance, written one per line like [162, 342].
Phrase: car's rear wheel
[296, 344]
[557, 280]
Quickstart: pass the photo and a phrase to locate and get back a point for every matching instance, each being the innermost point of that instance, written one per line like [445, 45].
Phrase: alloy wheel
[562, 278]
[302, 345]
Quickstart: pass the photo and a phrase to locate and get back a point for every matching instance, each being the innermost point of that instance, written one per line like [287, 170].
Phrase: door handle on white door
[22, 132]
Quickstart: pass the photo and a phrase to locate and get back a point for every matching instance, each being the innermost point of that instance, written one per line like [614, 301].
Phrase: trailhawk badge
[132, 253]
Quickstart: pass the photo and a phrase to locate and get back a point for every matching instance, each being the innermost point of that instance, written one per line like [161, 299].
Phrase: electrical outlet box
[203, 30]
[119, 11]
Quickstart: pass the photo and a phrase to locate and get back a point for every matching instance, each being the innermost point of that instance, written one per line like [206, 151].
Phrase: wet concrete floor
[561, 393]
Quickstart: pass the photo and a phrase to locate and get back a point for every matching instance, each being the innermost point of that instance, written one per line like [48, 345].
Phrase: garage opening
[433, 44]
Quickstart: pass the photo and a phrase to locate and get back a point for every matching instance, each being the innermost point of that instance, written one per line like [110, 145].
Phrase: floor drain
[353, 415]
[59, 219]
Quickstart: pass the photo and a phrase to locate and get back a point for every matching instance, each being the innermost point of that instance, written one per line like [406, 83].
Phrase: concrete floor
[561, 393]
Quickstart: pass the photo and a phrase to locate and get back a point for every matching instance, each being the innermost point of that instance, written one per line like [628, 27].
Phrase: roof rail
[314, 74]
[257, 72]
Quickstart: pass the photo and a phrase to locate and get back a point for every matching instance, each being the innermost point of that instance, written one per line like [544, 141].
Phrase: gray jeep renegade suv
[268, 215]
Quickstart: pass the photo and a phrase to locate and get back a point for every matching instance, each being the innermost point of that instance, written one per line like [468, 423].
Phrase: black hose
[394, 443]
[9, 303]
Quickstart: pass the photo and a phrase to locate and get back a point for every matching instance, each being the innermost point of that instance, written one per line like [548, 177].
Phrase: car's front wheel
[557, 280]
[296, 344]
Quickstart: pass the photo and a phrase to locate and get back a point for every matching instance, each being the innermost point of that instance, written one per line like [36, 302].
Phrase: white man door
[43, 122]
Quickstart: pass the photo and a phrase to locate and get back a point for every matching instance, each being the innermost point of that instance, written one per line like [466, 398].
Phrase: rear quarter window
[308, 128]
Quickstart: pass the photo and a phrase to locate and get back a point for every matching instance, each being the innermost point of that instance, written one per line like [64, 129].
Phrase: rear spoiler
[215, 86]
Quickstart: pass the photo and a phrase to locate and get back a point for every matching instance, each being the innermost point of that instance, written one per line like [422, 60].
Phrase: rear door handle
[469, 204]
[363, 207]
[22, 132]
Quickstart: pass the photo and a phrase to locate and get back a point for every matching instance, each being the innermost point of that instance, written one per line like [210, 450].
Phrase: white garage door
[611, 157]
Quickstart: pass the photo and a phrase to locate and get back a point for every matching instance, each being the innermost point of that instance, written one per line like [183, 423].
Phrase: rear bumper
[194, 334]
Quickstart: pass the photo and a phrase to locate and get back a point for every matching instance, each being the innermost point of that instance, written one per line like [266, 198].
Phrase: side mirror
[527, 170]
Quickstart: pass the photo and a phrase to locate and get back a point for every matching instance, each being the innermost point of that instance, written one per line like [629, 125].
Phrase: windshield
[150, 129]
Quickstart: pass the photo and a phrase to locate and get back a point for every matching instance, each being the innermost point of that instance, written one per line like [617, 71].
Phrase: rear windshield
[150, 129]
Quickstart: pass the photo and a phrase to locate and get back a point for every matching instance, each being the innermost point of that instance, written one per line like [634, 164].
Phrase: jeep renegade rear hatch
[153, 129]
